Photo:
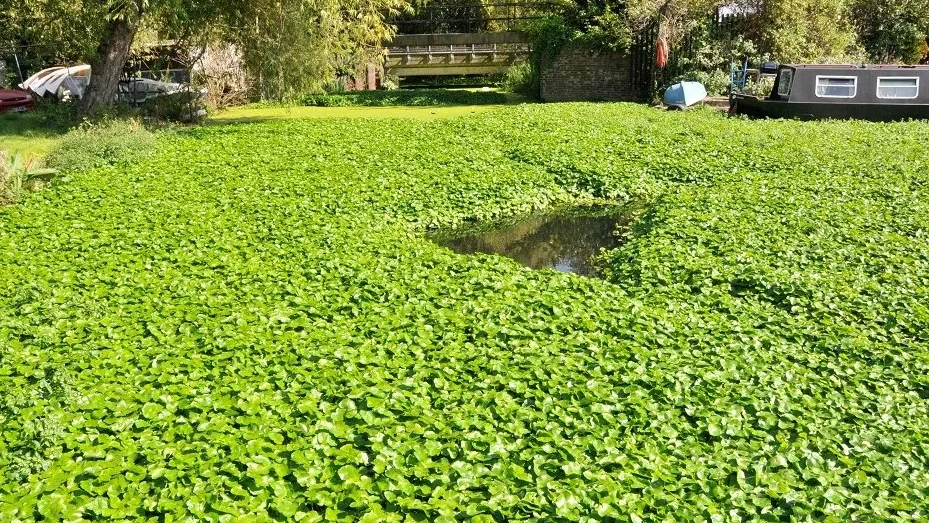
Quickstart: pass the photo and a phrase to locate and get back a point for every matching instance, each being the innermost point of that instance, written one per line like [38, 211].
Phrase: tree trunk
[107, 67]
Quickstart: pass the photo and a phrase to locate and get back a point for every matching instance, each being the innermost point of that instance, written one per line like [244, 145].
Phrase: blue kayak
[684, 94]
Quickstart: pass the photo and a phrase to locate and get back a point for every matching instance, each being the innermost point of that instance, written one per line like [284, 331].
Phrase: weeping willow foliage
[291, 48]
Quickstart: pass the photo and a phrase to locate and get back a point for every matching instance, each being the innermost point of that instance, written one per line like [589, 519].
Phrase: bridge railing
[455, 53]
[410, 50]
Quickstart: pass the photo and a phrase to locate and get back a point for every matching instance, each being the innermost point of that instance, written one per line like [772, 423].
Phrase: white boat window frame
[835, 77]
[915, 96]
[789, 73]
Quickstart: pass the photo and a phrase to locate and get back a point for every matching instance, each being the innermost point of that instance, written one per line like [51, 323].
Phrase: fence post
[19, 68]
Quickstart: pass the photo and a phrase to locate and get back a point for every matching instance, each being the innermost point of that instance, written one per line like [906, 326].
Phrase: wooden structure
[455, 54]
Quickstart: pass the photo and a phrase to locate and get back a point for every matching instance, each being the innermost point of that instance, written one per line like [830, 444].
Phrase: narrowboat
[868, 92]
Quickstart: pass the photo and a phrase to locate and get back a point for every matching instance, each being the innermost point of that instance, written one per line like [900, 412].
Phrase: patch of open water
[567, 241]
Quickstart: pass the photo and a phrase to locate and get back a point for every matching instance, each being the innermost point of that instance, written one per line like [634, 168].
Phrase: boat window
[783, 83]
[898, 88]
[836, 86]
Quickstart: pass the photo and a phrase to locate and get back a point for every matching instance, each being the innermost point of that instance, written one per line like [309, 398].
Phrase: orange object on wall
[661, 53]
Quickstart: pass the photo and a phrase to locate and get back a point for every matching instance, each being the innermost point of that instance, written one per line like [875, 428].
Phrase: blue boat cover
[684, 94]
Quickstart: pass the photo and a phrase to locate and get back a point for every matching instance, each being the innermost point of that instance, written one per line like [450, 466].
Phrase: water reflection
[566, 241]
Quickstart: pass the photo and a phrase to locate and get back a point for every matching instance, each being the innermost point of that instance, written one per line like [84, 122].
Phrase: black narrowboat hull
[875, 112]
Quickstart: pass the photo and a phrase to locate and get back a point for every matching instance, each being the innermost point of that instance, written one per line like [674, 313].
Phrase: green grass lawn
[34, 135]
[246, 114]
[411, 98]
[28, 134]
[32, 145]
[252, 325]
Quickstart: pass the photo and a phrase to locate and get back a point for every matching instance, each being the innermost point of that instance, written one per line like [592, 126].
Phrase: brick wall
[582, 74]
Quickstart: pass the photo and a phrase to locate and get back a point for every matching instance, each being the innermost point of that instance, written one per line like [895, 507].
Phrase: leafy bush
[186, 107]
[413, 97]
[257, 326]
[598, 27]
[452, 82]
[109, 142]
[519, 78]
[712, 58]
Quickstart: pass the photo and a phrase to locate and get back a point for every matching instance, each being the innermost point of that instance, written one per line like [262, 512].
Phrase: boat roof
[853, 66]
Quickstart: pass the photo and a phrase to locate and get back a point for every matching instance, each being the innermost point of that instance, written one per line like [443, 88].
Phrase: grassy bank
[260, 114]
[31, 134]
[411, 98]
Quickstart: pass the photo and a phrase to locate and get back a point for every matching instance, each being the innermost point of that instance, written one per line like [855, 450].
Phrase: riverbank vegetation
[256, 50]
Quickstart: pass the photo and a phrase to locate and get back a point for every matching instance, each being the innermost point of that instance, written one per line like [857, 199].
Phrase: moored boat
[684, 94]
[871, 92]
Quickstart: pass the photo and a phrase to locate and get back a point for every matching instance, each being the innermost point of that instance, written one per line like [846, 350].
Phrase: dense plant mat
[407, 98]
[251, 326]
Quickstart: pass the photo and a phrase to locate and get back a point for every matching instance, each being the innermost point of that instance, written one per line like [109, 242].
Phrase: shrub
[109, 142]
[184, 106]
[716, 81]
[712, 59]
[452, 82]
[520, 79]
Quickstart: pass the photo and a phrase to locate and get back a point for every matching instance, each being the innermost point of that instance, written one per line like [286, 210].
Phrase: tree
[288, 46]
[677, 16]
[808, 30]
[47, 31]
[123, 18]
[803, 30]
[291, 48]
[446, 16]
[892, 30]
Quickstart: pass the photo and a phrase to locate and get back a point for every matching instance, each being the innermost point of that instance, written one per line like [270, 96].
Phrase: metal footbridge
[455, 53]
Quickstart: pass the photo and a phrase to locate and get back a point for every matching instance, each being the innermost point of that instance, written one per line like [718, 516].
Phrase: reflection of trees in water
[567, 243]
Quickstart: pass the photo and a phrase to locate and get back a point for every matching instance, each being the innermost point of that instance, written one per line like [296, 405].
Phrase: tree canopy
[289, 48]
[892, 30]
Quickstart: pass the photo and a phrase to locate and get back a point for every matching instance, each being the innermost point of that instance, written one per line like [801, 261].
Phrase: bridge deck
[455, 54]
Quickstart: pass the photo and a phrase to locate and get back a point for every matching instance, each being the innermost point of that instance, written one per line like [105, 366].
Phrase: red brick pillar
[372, 77]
